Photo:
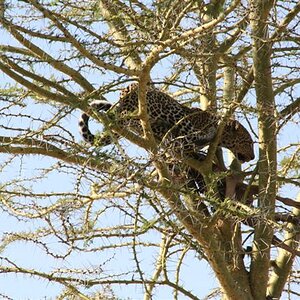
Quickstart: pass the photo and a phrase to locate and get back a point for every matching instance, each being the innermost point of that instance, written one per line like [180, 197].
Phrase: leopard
[186, 129]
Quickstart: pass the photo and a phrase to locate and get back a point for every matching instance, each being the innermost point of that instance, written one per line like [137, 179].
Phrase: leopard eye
[241, 157]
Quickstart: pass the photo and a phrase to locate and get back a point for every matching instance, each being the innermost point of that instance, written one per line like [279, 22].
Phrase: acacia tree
[237, 59]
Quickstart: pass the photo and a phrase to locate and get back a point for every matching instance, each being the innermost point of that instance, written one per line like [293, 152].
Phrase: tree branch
[283, 264]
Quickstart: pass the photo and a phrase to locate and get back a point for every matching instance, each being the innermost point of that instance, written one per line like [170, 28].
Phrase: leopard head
[237, 139]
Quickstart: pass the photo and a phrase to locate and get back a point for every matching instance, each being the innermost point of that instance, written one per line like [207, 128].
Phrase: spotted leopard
[185, 128]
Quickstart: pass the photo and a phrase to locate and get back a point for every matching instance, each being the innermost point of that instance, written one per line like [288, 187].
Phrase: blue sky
[196, 274]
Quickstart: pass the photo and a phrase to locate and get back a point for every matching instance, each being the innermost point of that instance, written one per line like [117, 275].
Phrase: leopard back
[180, 127]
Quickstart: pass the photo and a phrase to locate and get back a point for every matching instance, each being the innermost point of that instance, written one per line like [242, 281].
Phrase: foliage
[104, 217]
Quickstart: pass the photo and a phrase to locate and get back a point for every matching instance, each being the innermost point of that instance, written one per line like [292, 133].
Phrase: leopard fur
[186, 129]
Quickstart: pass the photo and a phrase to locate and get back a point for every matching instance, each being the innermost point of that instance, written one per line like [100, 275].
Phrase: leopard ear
[235, 125]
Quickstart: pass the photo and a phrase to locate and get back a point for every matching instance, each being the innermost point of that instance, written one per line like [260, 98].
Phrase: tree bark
[259, 269]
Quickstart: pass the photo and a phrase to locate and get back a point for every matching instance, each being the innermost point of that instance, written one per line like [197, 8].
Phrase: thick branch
[118, 29]
[259, 269]
[291, 109]
[284, 262]
[78, 45]
[60, 66]
[25, 146]
[35, 77]
[33, 87]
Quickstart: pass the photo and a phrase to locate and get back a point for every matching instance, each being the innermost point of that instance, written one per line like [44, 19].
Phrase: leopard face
[236, 138]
